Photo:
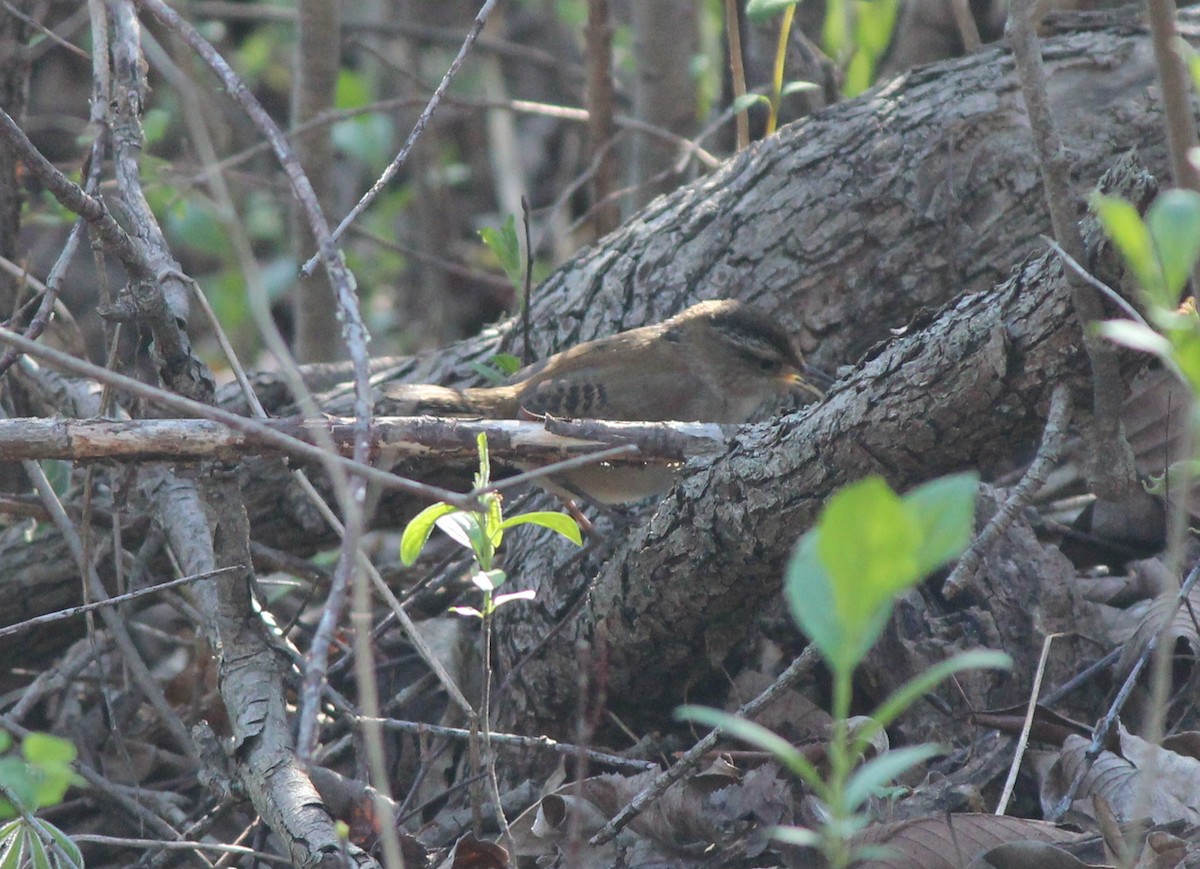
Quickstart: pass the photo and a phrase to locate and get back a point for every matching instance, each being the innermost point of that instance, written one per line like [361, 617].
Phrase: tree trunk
[666, 38]
[318, 55]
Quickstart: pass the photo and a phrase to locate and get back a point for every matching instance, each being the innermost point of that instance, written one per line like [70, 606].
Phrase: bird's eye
[768, 365]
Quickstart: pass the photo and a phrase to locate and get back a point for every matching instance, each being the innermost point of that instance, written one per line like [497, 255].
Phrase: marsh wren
[718, 361]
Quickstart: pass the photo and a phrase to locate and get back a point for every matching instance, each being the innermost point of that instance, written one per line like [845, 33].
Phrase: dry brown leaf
[954, 841]
[1162, 851]
[1115, 779]
[1026, 855]
[471, 853]
[1180, 634]
[1155, 419]
[719, 811]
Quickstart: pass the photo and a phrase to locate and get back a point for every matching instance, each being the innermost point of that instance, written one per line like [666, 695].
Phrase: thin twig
[1099, 285]
[112, 601]
[355, 334]
[697, 752]
[46, 31]
[164, 845]
[688, 148]
[543, 743]
[1104, 727]
[1022, 493]
[399, 437]
[161, 398]
[1111, 473]
[75, 199]
[527, 299]
[1178, 117]
[419, 127]
[130, 655]
[1023, 740]
[737, 71]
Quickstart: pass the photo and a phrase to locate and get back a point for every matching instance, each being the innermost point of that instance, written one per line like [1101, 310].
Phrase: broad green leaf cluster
[868, 546]
[855, 33]
[480, 532]
[33, 778]
[503, 243]
[1161, 251]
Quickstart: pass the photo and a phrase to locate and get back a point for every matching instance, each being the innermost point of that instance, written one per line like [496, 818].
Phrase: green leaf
[70, 851]
[501, 599]
[859, 73]
[464, 529]
[50, 785]
[809, 593]
[834, 34]
[1174, 224]
[1177, 477]
[760, 11]
[487, 372]
[801, 836]
[944, 511]
[1129, 234]
[484, 478]
[368, 138]
[488, 580]
[43, 748]
[417, 531]
[868, 543]
[38, 858]
[6, 741]
[559, 522]
[493, 519]
[193, 224]
[155, 124]
[503, 244]
[874, 22]
[19, 784]
[1191, 58]
[1136, 336]
[351, 90]
[758, 736]
[868, 546]
[12, 844]
[795, 87]
[1185, 354]
[908, 693]
[498, 368]
[506, 362]
[879, 771]
[745, 101]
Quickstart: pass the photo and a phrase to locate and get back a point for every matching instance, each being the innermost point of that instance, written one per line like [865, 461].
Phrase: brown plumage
[715, 362]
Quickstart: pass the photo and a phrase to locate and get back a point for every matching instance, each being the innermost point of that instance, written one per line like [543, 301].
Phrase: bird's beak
[810, 380]
[819, 377]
